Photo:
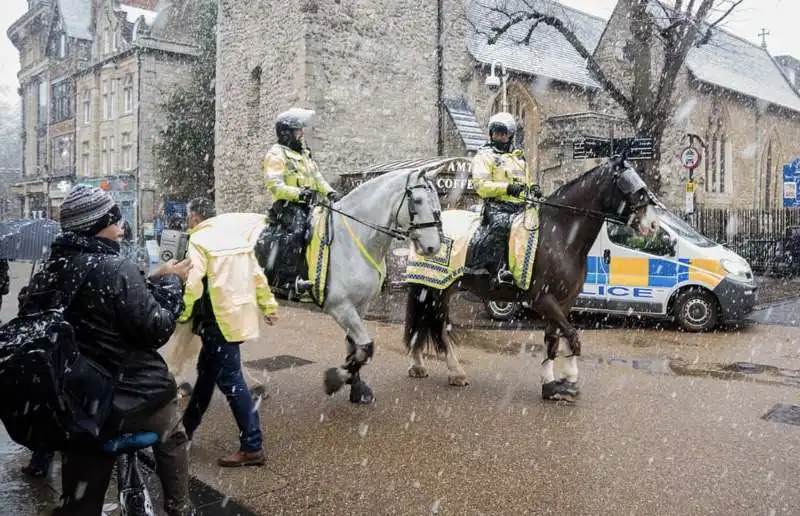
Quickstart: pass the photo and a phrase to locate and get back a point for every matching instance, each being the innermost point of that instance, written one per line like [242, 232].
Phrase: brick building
[401, 79]
[94, 74]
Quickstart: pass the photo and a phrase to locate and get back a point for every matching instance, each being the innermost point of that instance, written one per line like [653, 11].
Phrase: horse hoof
[361, 393]
[333, 382]
[416, 371]
[458, 380]
[571, 385]
[560, 390]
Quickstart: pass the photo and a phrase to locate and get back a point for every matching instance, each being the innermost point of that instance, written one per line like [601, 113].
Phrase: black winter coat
[120, 318]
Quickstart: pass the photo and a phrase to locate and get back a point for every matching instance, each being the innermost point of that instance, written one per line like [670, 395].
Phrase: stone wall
[261, 63]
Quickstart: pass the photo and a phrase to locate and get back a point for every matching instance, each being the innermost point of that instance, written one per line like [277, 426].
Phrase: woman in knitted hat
[119, 324]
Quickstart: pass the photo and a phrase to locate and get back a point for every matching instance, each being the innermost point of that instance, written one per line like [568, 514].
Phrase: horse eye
[417, 201]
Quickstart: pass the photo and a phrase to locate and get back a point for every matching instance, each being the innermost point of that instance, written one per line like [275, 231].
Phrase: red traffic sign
[690, 158]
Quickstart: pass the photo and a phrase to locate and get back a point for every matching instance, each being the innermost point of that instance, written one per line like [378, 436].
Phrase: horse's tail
[427, 318]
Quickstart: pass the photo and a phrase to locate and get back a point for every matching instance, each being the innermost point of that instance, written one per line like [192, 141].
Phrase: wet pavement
[668, 423]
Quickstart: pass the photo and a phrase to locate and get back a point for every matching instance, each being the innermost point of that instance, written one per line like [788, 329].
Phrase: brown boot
[241, 458]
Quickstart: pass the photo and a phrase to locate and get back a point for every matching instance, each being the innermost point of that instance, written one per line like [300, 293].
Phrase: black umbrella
[27, 239]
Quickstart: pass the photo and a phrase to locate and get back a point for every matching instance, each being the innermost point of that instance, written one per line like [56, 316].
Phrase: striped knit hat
[88, 209]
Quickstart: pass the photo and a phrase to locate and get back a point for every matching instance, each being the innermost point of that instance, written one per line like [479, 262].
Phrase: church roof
[726, 61]
[548, 54]
[77, 14]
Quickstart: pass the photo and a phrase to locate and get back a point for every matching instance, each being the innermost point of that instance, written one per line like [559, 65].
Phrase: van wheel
[696, 310]
[502, 311]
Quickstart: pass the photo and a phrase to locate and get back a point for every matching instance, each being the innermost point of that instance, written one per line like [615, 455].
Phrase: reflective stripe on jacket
[493, 171]
[221, 250]
[286, 172]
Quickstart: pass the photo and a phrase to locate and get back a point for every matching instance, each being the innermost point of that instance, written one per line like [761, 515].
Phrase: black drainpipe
[440, 76]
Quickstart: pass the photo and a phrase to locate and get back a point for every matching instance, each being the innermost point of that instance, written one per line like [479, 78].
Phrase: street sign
[690, 187]
[690, 158]
[791, 181]
[590, 147]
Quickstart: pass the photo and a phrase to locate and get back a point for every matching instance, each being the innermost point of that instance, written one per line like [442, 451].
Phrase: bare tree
[662, 37]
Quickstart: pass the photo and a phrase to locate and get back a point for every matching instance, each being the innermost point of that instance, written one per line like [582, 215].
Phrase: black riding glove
[536, 192]
[306, 195]
[334, 196]
[514, 189]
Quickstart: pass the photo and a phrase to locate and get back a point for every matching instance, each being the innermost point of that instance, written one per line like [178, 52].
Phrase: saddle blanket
[318, 253]
[459, 226]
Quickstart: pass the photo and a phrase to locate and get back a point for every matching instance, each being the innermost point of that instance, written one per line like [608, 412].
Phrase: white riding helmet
[504, 123]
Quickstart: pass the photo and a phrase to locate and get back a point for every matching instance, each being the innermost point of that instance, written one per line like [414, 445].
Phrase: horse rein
[399, 234]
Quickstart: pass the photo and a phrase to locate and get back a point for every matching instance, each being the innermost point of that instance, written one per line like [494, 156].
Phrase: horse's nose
[653, 225]
[429, 249]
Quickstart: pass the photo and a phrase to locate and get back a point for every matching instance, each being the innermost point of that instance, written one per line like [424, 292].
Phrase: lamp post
[493, 81]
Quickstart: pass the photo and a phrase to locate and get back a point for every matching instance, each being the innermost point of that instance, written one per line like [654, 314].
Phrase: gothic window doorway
[771, 175]
[525, 109]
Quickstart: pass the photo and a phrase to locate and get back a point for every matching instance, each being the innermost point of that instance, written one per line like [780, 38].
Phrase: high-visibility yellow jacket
[221, 250]
[286, 172]
[492, 171]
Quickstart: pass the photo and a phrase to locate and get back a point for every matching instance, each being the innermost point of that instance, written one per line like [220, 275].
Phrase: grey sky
[779, 17]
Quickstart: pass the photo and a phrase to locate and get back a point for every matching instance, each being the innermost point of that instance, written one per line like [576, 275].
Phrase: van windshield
[682, 229]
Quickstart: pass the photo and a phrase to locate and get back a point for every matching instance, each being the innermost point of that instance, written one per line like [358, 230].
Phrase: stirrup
[505, 277]
[302, 286]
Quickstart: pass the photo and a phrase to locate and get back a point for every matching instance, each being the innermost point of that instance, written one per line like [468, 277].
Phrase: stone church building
[403, 79]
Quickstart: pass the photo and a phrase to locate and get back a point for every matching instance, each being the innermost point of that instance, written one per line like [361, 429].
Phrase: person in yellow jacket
[295, 182]
[226, 295]
[502, 179]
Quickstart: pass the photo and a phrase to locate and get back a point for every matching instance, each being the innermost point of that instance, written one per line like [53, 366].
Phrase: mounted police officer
[502, 179]
[295, 182]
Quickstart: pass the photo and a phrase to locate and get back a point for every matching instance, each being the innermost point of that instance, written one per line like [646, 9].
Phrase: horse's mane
[570, 184]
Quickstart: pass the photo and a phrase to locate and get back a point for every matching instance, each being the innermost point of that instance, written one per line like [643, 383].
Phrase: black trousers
[490, 251]
[281, 247]
[85, 476]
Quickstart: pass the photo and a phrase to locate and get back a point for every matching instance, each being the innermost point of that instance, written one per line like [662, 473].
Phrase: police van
[675, 273]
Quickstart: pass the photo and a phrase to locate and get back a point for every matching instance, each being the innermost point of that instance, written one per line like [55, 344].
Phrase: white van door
[641, 270]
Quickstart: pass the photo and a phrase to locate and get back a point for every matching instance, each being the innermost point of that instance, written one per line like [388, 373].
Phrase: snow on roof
[133, 14]
[726, 60]
[76, 15]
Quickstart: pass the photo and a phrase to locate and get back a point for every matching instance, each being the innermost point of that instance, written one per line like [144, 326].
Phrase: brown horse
[570, 220]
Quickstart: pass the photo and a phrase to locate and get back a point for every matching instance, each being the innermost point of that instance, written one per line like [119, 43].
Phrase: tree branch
[571, 38]
[734, 5]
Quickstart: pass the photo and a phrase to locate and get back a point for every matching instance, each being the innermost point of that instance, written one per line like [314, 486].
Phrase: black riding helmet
[288, 122]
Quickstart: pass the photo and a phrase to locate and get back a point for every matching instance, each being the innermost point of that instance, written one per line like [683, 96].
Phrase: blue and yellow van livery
[676, 273]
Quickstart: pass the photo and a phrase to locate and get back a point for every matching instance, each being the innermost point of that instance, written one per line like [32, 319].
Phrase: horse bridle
[628, 182]
[395, 232]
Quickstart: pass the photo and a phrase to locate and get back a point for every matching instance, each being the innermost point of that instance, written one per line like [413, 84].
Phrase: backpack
[55, 398]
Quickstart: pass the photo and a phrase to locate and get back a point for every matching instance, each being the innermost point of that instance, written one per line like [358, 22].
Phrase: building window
[768, 201]
[42, 101]
[62, 45]
[87, 107]
[112, 155]
[116, 40]
[85, 159]
[127, 152]
[717, 168]
[113, 97]
[106, 41]
[62, 156]
[128, 92]
[104, 155]
[62, 105]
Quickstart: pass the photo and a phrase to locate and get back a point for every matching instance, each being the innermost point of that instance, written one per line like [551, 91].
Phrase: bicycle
[134, 497]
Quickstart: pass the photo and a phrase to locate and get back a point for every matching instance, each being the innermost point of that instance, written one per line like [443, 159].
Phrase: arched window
[771, 180]
[718, 170]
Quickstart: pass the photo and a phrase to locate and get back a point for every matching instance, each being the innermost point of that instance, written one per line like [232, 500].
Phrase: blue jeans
[220, 364]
